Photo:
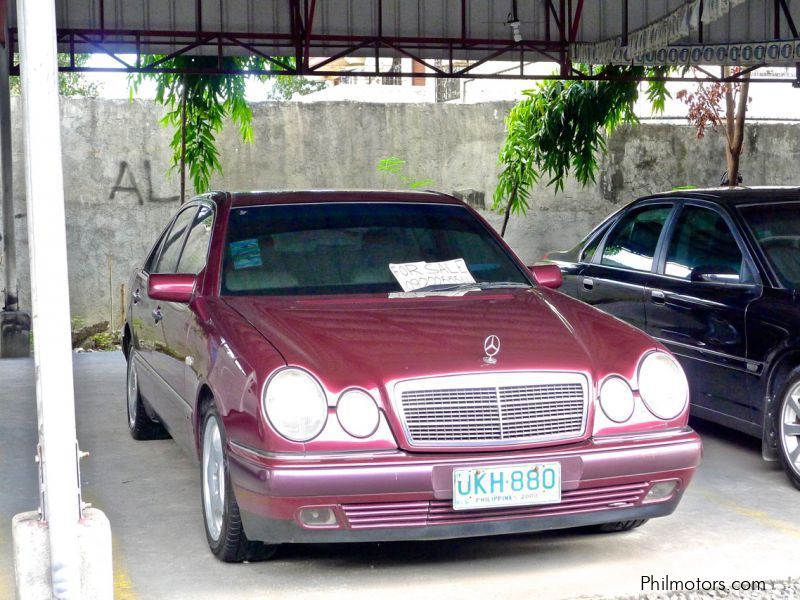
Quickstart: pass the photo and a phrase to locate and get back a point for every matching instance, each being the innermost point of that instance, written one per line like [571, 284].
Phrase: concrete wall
[120, 194]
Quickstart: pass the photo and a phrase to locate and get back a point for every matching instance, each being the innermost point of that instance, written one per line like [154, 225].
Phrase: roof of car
[735, 195]
[311, 196]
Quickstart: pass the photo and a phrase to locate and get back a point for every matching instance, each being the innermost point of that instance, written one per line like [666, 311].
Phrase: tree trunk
[183, 140]
[508, 212]
[735, 113]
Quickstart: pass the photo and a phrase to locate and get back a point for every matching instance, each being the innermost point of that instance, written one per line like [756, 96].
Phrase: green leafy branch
[69, 84]
[560, 127]
[197, 106]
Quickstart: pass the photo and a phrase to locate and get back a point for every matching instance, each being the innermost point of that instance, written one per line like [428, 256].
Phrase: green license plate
[514, 485]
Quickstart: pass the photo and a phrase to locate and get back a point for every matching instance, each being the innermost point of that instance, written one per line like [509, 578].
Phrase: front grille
[440, 512]
[499, 413]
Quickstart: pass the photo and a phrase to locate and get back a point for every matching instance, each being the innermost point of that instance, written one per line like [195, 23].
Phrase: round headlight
[358, 414]
[295, 405]
[616, 399]
[663, 385]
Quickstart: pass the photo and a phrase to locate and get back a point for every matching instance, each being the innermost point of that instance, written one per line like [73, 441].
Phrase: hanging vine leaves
[560, 127]
[197, 105]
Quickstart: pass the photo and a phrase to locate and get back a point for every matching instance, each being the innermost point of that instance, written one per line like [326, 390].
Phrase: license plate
[515, 485]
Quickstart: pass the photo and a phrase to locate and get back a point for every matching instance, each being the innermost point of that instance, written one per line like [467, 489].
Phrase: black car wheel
[221, 518]
[141, 426]
[619, 526]
[789, 428]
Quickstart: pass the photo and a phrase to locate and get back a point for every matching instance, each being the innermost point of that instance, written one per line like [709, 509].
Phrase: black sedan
[714, 275]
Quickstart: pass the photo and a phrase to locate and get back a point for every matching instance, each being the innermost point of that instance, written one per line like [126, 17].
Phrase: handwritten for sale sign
[417, 275]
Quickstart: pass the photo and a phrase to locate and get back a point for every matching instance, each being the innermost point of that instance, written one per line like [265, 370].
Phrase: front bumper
[402, 496]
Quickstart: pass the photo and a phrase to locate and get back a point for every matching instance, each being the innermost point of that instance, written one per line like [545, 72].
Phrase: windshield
[356, 248]
[776, 228]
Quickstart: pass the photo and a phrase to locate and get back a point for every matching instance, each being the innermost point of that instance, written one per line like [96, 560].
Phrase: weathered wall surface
[119, 191]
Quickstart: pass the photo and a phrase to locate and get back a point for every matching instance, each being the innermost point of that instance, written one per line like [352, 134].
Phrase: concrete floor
[737, 521]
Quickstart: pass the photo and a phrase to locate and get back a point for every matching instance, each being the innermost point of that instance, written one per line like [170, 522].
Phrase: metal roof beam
[788, 16]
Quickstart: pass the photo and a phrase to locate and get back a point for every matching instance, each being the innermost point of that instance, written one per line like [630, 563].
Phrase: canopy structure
[450, 38]
[444, 38]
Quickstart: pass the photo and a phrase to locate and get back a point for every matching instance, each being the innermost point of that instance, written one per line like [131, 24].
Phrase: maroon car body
[196, 350]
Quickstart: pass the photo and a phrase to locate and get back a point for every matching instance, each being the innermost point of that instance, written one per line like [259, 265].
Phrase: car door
[696, 306]
[616, 279]
[573, 262]
[180, 321]
[163, 326]
[141, 320]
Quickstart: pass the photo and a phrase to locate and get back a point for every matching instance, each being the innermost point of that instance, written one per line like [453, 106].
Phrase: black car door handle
[657, 296]
[588, 284]
[157, 316]
[136, 295]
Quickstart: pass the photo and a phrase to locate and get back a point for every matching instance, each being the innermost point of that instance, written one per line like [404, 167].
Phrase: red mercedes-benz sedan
[375, 366]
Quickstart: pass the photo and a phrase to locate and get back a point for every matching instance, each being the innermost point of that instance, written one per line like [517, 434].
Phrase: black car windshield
[776, 228]
[356, 248]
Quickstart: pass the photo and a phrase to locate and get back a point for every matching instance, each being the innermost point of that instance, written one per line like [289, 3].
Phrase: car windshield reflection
[358, 248]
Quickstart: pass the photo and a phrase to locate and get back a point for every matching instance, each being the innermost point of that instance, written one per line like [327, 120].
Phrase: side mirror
[548, 276]
[171, 287]
[714, 274]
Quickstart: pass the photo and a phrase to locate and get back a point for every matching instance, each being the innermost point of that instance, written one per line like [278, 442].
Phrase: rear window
[776, 228]
[347, 248]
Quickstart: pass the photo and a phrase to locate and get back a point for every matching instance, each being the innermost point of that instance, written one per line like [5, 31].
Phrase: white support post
[11, 302]
[60, 486]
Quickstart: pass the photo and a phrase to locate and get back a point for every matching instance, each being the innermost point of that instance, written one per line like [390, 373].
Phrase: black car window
[776, 228]
[702, 238]
[173, 243]
[588, 251]
[195, 251]
[348, 247]
[632, 243]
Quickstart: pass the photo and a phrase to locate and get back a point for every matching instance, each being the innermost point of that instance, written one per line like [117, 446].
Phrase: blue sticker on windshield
[245, 254]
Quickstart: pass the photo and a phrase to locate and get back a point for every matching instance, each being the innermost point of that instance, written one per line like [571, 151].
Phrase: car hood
[368, 341]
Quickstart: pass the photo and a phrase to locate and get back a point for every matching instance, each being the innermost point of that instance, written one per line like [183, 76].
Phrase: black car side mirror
[714, 274]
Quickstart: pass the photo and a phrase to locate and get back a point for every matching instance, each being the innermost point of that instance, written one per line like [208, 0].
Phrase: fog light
[661, 490]
[317, 517]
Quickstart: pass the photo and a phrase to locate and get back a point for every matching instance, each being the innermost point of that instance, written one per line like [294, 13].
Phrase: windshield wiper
[486, 285]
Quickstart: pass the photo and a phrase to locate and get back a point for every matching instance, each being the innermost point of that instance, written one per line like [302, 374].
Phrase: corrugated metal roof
[443, 29]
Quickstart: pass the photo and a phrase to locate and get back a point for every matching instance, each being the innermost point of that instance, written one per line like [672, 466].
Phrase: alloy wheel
[213, 478]
[133, 392]
[790, 428]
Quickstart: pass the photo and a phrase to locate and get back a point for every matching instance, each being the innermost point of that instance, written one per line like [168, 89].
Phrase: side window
[173, 243]
[702, 238]
[193, 258]
[632, 243]
[153, 256]
[591, 248]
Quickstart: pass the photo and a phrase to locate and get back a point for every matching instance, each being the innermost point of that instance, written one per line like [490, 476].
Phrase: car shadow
[725, 434]
[411, 553]
[429, 552]
[737, 441]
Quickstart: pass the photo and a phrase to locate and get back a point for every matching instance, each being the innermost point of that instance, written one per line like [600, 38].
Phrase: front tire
[140, 425]
[789, 428]
[223, 523]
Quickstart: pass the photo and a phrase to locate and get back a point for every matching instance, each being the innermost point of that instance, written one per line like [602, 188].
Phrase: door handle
[657, 296]
[588, 284]
[157, 316]
[136, 295]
